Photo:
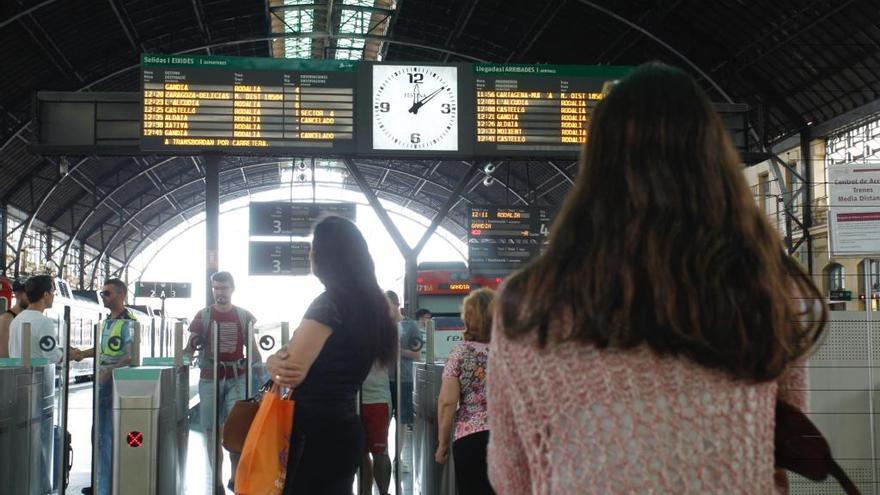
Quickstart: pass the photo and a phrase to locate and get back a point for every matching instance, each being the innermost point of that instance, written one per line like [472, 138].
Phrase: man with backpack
[229, 325]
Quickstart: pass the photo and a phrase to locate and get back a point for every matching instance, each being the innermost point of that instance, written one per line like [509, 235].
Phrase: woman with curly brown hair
[646, 350]
[463, 393]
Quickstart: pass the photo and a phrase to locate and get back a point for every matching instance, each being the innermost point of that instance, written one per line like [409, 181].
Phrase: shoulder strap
[206, 320]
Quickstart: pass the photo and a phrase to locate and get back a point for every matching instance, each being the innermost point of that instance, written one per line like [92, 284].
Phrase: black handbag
[799, 447]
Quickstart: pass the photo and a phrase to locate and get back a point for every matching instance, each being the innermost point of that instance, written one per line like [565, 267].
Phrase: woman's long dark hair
[660, 242]
[343, 264]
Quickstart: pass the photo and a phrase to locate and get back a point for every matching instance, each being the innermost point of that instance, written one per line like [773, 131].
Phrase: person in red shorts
[375, 416]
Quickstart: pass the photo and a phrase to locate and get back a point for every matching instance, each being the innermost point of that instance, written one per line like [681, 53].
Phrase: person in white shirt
[40, 291]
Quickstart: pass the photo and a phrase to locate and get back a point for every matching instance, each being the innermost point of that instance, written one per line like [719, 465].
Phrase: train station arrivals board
[503, 239]
[273, 106]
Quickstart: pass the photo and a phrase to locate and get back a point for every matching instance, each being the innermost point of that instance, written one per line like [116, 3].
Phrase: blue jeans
[105, 438]
[231, 390]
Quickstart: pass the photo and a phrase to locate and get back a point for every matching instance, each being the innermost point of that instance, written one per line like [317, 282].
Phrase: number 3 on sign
[276, 226]
[276, 266]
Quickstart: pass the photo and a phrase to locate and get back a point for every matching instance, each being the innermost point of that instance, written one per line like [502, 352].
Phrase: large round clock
[415, 107]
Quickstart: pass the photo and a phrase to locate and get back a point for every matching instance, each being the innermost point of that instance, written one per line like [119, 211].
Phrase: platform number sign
[163, 290]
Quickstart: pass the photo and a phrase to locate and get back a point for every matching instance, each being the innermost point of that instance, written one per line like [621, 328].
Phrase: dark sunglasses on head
[106, 293]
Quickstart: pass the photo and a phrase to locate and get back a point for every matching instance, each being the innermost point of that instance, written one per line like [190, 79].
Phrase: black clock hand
[416, 94]
[415, 108]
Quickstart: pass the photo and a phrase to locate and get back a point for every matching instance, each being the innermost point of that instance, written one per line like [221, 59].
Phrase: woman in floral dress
[464, 385]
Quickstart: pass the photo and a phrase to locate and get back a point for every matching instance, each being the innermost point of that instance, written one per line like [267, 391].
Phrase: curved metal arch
[26, 226]
[272, 162]
[434, 183]
[103, 200]
[660, 42]
[98, 181]
[106, 247]
[187, 229]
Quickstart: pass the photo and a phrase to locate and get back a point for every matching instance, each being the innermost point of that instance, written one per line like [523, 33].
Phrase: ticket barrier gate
[27, 406]
[180, 374]
[145, 450]
[430, 478]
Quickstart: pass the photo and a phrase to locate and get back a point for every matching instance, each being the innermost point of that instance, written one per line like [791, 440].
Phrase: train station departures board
[247, 104]
[268, 106]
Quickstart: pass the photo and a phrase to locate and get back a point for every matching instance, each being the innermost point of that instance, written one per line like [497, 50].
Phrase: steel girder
[101, 202]
[137, 248]
[29, 221]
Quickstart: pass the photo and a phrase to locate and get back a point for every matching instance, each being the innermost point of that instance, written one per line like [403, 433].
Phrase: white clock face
[415, 108]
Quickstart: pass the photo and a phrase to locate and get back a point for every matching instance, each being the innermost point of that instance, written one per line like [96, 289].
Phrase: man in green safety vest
[115, 353]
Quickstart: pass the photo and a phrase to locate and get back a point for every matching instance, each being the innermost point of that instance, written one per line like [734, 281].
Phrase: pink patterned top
[575, 419]
[467, 362]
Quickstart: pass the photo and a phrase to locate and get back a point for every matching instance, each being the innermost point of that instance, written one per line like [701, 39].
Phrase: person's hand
[440, 455]
[75, 354]
[282, 371]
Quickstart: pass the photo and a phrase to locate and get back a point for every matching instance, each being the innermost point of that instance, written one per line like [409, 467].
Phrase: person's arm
[793, 386]
[508, 463]
[47, 329]
[450, 393]
[195, 330]
[290, 366]
[258, 358]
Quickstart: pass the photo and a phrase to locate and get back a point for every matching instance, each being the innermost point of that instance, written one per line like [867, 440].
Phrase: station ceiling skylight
[332, 29]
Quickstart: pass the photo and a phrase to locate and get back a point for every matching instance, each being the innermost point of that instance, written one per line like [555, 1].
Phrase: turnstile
[181, 411]
[429, 477]
[27, 406]
[145, 426]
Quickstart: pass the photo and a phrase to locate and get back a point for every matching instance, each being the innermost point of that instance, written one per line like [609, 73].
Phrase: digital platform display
[294, 219]
[247, 105]
[504, 239]
[279, 258]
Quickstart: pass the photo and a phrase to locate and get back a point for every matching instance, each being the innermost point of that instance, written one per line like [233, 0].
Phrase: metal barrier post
[249, 357]
[869, 303]
[95, 404]
[136, 344]
[285, 333]
[65, 396]
[218, 458]
[178, 344]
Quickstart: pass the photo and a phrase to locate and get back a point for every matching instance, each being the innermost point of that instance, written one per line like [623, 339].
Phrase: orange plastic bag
[263, 465]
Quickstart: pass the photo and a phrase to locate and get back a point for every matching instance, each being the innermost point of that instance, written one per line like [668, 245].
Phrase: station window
[834, 277]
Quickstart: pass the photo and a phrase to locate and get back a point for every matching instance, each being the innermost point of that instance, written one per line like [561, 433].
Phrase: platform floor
[198, 471]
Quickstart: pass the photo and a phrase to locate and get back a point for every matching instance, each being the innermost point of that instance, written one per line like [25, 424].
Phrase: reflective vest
[113, 341]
